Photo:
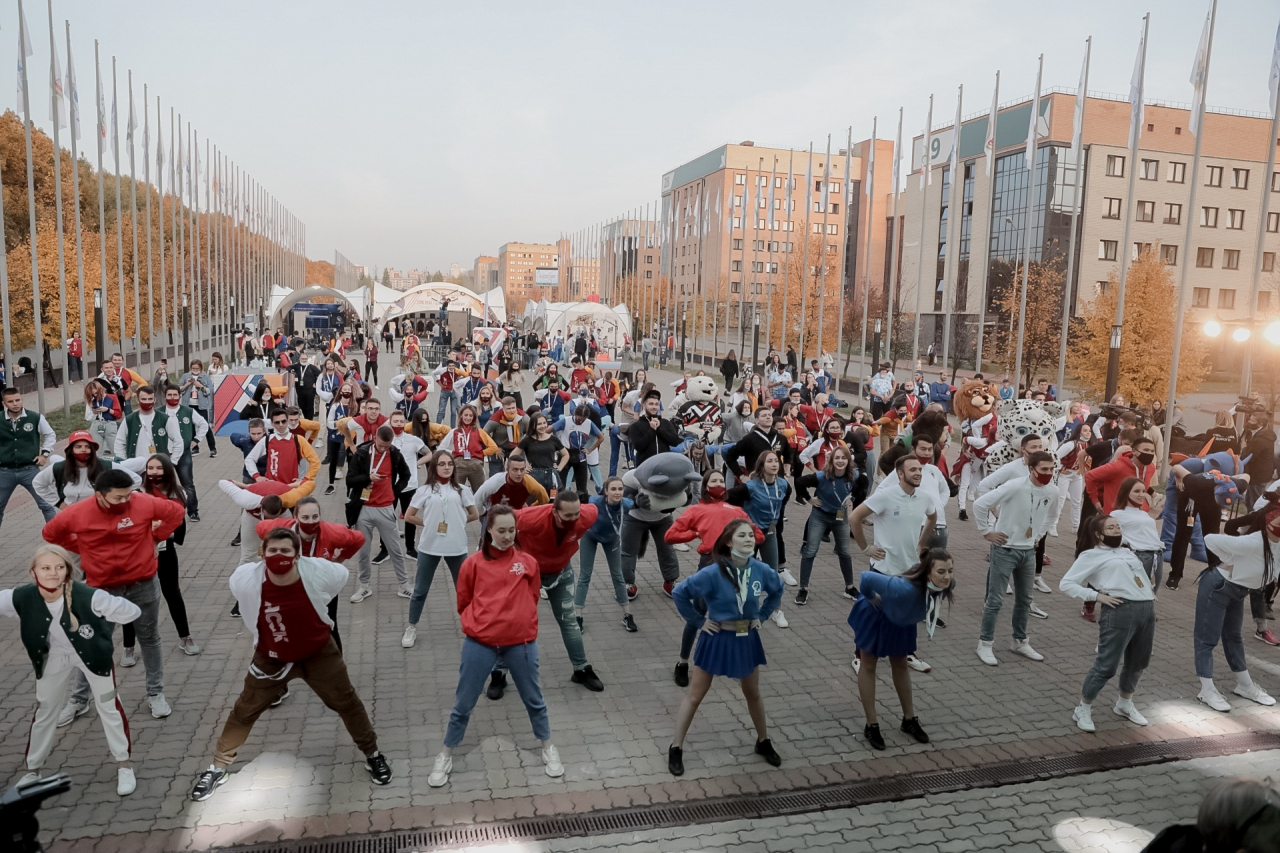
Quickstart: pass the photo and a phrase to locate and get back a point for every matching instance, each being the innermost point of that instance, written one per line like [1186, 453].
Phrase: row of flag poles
[613, 248]
[224, 253]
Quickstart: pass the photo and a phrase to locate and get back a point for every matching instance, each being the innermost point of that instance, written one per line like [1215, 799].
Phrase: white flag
[1200, 77]
[74, 94]
[955, 138]
[1032, 135]
[159, 148]
[56, 113]
[102, 114]
[133, 119]
[989, 146]
[1136, 111]
[1273, 83]
[115, 141]
[1077, 125]
[926, 174]
[24, 50]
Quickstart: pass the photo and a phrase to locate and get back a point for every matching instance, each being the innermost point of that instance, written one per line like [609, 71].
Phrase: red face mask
[146, 407]
[716, 492]
[397, 430]
[82, 458]
[1042, 479]
[115, 509]
[310, 528]
[444, 478]
[280, 564]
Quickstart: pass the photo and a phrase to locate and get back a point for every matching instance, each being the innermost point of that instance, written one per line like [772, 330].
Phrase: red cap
[82, 435]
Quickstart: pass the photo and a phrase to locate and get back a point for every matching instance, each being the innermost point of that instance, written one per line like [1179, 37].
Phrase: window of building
[737, 222]
[1231, 259]
[1172, 214]
[1115, 166]
[1275, 182]
[1236, 219]
[817, 228]
[1100, 287]
[817, 207]
[1150, 170]
[1107, 250]
[735, 287]
[1215, 177]
[759, 287]
[757, 245]
[832, 248]
[1268, 262]
[1240, 179]
[833, 228]
[757, 266]
[1204, 257]
[835, 207]
[737, 243]
[648, 273]
[1200, 297]
[1169, 254]
[1226, 298]
[737, 266]
[737, 201]
[1146, 210]
[1208, 217]
[1273, 222]
[1113, 208]
[773, 245]
[1177, 173]
[740, 180]
[1139, 248]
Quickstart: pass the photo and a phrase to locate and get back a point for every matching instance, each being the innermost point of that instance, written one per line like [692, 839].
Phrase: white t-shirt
[1138, 529]
[442, 507]
[933, 482]
[409, 446]
[898, 519]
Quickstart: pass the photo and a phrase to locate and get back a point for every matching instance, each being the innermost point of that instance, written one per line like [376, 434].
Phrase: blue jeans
[768, 549]
[616, 448]
[587, 546]
[938, 539]
[145, 594]
[1219, 614]
[427, 564]
[187, 479]
[1020, 564]
[820, 521]
[1153, 562]
[478, 661]
[11, 478]
[646, 360]
[449, 398]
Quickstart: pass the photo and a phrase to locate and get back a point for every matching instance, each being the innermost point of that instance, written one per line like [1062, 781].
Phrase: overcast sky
[418, 134]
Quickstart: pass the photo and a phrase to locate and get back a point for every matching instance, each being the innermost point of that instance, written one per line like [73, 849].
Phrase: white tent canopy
[383, 298]
[608, 324]
[283, 299]
[428, 297]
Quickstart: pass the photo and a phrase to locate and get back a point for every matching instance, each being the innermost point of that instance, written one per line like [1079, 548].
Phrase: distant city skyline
[409, 135]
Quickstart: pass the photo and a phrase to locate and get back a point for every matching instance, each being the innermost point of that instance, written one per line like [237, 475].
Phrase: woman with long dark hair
[160, 480]
[346, 403]
[834, 488]
[1113, 576]
[67, 481]
[1138, 528]
[103, 412]
[884, 620]
[606, 535]
[1074, 459]
[498, 590]
[764, 497]
[729, 370]
[739, 592]
[546, 454]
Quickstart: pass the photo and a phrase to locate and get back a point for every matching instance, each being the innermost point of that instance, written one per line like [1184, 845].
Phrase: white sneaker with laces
[1023, 647]
[1254, 693]
[338, 476]
[440, 771]
[1040, 585]
[1125, 708]
[680, 546]
[410, 637]
[1008, 590]
[126, 782]
[1083, 715]
[72, 710]
[361, 593]
[405, 592]
[917, 664]
[159, 707]
[542, 593]
[779, 619]
[788, 578]
[28, 778]
[551, 758]
[986, 654]
[128, 657]
[1214, 700]
[1037, 612]
[857, 666]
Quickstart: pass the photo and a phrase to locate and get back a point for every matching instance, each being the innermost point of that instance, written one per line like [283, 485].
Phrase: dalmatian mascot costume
[975, 404]
[699, 413]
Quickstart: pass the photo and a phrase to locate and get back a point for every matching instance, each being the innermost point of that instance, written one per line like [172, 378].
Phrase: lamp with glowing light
[1212, 328]
[1240, 334]
[1272, 333]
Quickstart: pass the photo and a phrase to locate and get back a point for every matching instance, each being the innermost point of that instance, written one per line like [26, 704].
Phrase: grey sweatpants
[383, 519]
[634, 532]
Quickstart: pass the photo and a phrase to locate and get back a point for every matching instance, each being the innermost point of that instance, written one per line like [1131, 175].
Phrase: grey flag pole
[115, 150]
[1076, 209]
[895, 256]
[991, 196]
[133, 219]
[822, 259]
[1033, 139]
[164, 295]
[54, 84]
[146, 181]
[866, 266]
[1246, 374]
[102, 209]
[807, 195]
[73, 100]
[925, 180]
[31, 207]
[955, 213]
[846, 193]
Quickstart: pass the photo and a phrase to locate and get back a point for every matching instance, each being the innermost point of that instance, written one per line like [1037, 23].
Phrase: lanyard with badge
[742, 581]
[775, 504]
[443, 490]
[374, 462]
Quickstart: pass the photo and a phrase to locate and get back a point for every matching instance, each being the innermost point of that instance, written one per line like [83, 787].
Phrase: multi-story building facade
[1223, 251]
[518, 264]
[580, 264]
[486, 273]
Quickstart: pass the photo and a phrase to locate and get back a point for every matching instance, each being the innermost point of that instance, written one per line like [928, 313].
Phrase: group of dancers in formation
[523, 476]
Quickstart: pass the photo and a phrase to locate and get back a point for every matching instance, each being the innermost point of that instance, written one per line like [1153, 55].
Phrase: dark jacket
[647, 442]
[1260, 447]
[752, 446]
[358, 474]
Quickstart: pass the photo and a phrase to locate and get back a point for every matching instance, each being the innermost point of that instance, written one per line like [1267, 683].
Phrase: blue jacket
[246, 444]
[901, 601]
[832, 494]
[940, 392]
[608, 520]
[710, 585]
[764, 503]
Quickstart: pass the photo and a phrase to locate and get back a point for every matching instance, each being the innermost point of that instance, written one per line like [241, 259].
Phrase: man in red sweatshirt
[115, 535]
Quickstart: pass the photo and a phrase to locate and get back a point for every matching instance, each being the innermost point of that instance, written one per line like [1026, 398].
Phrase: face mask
[155, 478]
[146, 407]
[444, 478]
[1146, 458]
[280, 564]
[1136, 499]
[397, 430]
[741, 555]
[934, 587]
[82, 458]
[1112, 541]
[310, 528]
[116, 509]
[1042, 479]
[716, 492]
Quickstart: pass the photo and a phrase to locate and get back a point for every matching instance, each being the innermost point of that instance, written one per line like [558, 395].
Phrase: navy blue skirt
[876, 635]
[729, 655]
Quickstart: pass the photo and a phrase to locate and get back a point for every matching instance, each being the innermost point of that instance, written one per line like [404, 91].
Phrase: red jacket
[1103, 483]
[115, 549]
[498, 598]
[705, 522]
[334, 542]
[814, 419]
[537, 531]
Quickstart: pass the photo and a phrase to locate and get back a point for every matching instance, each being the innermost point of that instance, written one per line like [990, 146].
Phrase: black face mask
[1146, 458]
[1112, 541]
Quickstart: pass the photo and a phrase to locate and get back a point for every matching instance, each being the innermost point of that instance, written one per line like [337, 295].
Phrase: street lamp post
[99, 327]
[684, 312]
[755, 339]
[875, 356]
[231, 331]
[186, 331]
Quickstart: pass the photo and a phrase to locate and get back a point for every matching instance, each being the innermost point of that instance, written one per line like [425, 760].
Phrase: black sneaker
[411, 553]
[941, 624]
[497, 685]
[382, 557]
[912, 727]
[194, 516]
[213, 454]
[682, 674]
[328, 490]
[802, 596]
[1171, 582]
[587, 678]
[378, 768]
[765, 748]
[195, 451]
[629, 622]
[675, 761]
[964, 516]
[872, 733]
[235, 543]
[235, 609]
[208, 782]
[851, 591]
[283, 696]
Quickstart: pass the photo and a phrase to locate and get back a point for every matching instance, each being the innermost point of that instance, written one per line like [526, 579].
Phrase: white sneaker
[72, 710]
[405, 592]
[917, 664]
[159, 707]
[1083, 715]
[1214, 700]
[126, 783]
[1023, 647]
[361, 593]
[788, 578]
[681, 547]
[542, 593]
[551, 758]
[338, 476]
[440, 771]
[1037, 612]
[410, 637]
[857, 666]
[1008, 590]
[1125, 708]
[1255, 693]
[779, 619]
[129, 657]
[986, 654]
[28, 778]
[1040, 585]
